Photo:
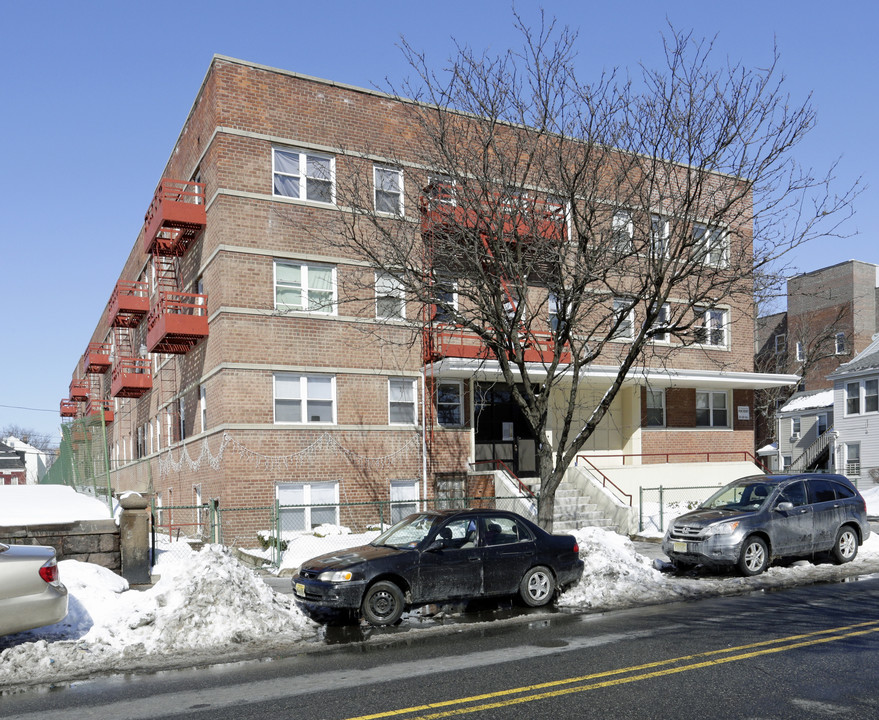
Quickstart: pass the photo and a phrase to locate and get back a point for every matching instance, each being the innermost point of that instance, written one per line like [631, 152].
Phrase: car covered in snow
[436, 557]
[31, 593]
[757, 519]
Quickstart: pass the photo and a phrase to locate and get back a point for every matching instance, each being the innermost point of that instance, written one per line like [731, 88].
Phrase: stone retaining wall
[94, 541]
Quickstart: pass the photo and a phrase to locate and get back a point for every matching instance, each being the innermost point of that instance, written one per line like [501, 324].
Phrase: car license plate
[299, 589]
[680, 547]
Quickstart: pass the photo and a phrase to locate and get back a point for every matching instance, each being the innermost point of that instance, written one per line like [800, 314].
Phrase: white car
[31, 593]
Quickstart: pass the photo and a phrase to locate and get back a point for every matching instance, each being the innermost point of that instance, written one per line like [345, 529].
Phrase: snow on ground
[48, 505]
[208, 605]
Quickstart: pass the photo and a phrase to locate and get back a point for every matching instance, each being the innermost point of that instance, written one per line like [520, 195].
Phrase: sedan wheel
[382, 604]
[537, 586]
[754, 558]
[846, 546]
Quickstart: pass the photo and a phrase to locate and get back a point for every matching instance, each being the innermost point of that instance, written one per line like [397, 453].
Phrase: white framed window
[853, 459]
[390, 299]
[839, 347]
[871, 396]
[203, 406]
[780, 344]
[304, 398]
[624, 314]
[445, 294]
[404, 499]
[554, 305]
[795, 427]
[655, 408]
[622, 232]
[303, 175]
[181, 418]
[712, 245]
[662, 321]
[801, 355]
[712, 330]
[305, 287]
[450, 403]
[388, 183]
[786, 461]
[304, 506]
[821, 423]
[401, 401]
[659, 235]
[196, 500]
[441, 189]
[712, 408]
[853, 398]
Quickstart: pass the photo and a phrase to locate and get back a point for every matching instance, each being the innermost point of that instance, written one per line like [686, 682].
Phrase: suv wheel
[846, 546]
[754, 558]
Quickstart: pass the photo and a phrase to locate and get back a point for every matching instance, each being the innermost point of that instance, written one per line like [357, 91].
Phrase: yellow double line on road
[634, 673]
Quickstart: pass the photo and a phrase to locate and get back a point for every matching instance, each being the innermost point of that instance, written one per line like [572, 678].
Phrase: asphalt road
[798, 653]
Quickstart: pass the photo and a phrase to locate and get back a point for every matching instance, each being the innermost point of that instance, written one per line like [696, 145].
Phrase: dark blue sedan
[436, 557]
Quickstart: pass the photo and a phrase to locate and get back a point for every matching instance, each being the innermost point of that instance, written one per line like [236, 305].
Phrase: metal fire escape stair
[811, 454]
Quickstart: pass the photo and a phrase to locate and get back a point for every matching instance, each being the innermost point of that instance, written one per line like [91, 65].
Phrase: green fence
[83, 461]
[285, 535]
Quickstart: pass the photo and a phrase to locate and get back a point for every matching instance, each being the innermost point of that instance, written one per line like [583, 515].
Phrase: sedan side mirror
[436, 545]
[784, 506]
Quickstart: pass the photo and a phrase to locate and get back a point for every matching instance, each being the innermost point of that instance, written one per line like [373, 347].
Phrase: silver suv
[759, 518]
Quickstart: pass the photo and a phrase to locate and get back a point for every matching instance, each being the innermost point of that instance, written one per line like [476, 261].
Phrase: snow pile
[47, 505]
[325, 539]
[202, 603]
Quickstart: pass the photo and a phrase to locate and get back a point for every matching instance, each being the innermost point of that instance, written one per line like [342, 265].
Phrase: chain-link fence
[658, 506]
[83, 459]
[285, 535]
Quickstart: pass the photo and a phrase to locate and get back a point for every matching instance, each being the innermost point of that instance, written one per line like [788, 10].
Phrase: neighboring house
[856, 408]
[831, 315]
[12, 467]
[36, 461]
[228, 368]
[805, 433]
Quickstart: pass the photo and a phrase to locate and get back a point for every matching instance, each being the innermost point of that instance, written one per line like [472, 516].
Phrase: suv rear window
[843, 492]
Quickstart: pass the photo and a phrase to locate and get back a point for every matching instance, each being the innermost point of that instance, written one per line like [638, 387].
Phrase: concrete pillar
[134, 533]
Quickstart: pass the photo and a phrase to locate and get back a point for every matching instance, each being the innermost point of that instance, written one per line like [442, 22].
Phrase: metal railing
[622, 495]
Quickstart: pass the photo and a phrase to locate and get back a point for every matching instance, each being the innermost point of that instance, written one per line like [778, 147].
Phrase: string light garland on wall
[326, 443]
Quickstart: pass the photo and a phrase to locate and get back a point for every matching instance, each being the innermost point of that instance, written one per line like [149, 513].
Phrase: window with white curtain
[401, 401]
[305, 287]
[304, 506]
[388, 190]
[404, 499]
[303, 175]
[304, 398]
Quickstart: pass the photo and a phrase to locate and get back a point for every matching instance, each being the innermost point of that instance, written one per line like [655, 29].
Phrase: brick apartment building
[832, 315]
[230, 366]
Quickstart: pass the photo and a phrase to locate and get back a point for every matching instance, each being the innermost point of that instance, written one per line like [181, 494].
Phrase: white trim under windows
[821, 423]
[655, 408]
[390, 299]
[862, 397]
[402, 394]
[712, 408]
[303, 175]
[304, 506]
[304, 287]
[624, 314]
[712, 331]
[712, 244]
[388, 194]
[307, 399]
[404, 499]
[795, 426]
[450, 403]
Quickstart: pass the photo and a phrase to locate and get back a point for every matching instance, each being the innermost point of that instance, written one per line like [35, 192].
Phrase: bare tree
[41, 441]
[571, 225]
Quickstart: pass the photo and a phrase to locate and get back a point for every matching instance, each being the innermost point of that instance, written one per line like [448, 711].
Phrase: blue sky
[94, 95]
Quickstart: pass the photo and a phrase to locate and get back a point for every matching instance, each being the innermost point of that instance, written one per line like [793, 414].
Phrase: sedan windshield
[740, 495]
[409, 532]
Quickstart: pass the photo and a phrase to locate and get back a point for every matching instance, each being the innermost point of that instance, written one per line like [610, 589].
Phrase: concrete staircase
[573, 511]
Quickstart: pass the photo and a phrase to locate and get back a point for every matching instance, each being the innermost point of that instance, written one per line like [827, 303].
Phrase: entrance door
[502, 432]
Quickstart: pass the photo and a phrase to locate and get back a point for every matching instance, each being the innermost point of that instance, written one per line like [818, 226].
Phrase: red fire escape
[128, 305]
[177, 320]
[440, 215]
